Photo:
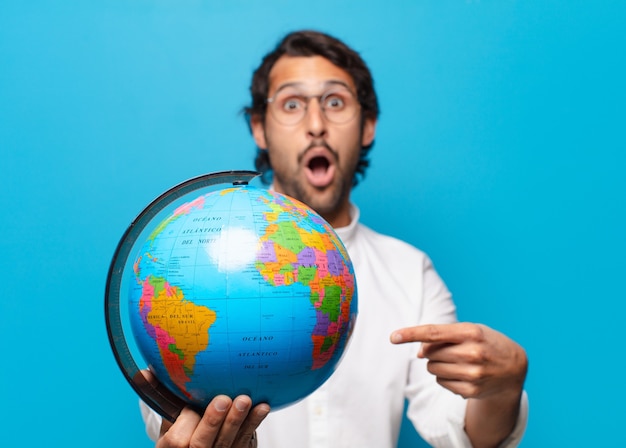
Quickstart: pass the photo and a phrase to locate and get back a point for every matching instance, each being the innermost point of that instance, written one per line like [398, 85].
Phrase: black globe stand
[155, 395]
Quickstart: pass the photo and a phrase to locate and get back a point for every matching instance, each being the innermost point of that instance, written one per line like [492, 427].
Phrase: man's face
[313, 160]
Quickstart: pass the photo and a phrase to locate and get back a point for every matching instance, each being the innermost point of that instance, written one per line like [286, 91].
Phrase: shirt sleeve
[437, 413]
[152, 420]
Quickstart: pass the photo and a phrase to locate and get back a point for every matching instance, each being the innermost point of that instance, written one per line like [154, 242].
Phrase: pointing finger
[442, 333]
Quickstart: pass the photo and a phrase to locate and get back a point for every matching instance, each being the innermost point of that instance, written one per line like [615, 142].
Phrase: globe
[229, 289]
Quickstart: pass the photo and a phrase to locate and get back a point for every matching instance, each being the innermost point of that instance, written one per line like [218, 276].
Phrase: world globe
[229, 289]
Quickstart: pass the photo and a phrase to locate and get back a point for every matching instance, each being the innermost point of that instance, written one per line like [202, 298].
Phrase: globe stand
[155, 395]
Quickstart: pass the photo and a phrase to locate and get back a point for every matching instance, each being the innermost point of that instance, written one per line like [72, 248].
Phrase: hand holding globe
[225, 422]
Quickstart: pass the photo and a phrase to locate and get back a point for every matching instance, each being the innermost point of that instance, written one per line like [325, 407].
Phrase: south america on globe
[240, 290]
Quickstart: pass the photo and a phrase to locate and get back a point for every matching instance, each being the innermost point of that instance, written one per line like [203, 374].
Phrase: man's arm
[480, 364]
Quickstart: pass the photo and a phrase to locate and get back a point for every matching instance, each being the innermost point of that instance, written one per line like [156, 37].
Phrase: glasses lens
[339, 105]
[289, 107]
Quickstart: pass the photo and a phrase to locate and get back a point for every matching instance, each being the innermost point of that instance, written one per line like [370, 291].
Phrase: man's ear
[258, 131]
[369, 131]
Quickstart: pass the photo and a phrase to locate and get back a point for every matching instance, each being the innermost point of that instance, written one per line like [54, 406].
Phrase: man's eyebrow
[325, 84]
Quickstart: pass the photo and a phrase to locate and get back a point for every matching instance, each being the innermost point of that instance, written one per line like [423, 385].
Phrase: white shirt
[361, 405]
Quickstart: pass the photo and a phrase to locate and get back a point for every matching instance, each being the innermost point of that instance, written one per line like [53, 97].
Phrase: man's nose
[315, 119]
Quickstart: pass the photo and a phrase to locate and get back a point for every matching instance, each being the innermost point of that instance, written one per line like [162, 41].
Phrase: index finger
[450, 333]
[218, 421]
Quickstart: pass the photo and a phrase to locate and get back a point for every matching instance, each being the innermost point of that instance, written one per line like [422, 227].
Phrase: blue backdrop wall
[500, 151]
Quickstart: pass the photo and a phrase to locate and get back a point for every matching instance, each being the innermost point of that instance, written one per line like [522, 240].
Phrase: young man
[313, 117]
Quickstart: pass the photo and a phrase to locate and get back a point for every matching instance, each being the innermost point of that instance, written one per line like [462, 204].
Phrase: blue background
[500, 152]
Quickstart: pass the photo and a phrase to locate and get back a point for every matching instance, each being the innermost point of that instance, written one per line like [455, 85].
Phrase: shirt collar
[347, 233]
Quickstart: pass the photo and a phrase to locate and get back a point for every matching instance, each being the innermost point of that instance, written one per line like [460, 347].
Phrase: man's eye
[292, 105]
[334, 102]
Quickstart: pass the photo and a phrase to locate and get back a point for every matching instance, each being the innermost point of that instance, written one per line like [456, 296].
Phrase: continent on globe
[180, 327]
[292, 254]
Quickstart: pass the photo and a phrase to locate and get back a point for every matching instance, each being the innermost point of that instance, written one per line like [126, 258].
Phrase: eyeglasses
[288, 107]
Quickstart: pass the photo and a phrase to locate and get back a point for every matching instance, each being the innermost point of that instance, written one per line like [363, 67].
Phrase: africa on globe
[235, 290]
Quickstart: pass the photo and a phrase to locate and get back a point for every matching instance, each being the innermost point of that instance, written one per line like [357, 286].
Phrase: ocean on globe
[242, 291]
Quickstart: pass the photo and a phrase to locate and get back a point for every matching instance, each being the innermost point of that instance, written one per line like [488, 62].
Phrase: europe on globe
[237, 290]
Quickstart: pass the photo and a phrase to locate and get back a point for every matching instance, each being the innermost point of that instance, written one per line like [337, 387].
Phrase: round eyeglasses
[288, 107]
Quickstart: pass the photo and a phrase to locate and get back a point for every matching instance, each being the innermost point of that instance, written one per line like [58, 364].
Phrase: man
[313, 117]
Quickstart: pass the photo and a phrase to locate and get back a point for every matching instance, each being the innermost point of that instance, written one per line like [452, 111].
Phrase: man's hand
[471, 360]
[225, 423]
[480, 364]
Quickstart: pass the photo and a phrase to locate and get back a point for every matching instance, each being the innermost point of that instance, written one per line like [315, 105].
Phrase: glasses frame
[320, 99]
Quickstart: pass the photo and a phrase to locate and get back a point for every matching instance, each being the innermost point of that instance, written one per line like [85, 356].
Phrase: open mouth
[318, 165]
[320, 168]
